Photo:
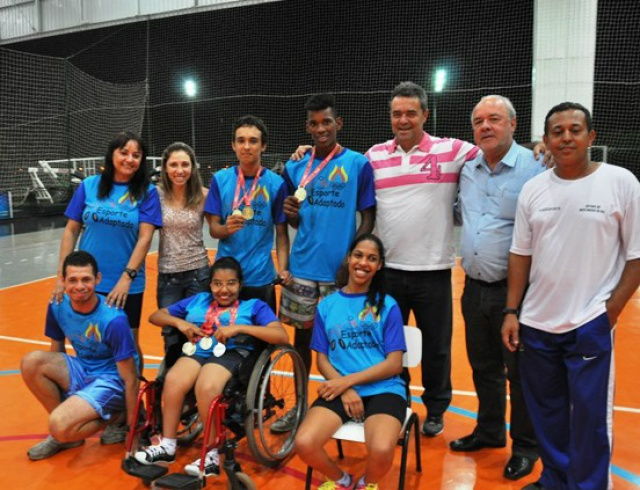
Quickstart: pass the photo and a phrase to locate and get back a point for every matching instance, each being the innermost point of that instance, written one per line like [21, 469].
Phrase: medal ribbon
[306, 178]
[246, 198]
[212, 318]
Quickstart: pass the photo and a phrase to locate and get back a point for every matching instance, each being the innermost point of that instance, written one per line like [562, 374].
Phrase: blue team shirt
[252, 245]
[100, 338]
[111, 227]
[354, 338]
[250, 312]
[328, 215]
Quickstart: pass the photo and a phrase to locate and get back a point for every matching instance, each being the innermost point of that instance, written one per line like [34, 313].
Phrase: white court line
[25, 283]
[68, 346]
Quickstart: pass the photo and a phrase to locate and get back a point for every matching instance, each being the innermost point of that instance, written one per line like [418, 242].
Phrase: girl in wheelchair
[222, 331]
[359, 340]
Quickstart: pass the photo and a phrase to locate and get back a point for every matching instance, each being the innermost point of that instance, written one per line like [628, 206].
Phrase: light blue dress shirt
[487, 205]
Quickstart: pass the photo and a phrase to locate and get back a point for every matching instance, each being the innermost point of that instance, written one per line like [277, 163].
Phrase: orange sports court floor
[23, 420]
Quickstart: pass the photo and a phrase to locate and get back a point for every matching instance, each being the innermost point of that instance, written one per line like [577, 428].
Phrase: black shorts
[233, 360]
[386, 403]
[132, 308]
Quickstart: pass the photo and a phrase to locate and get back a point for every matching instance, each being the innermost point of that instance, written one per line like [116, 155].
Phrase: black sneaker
[211, 465]
[155, 455]
[433, 426]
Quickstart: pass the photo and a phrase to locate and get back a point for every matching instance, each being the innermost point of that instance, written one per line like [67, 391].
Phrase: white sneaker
[211, 465]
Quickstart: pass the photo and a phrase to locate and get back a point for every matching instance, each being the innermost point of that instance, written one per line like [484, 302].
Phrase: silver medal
[206, 343]
[219, 349]
[189, 348]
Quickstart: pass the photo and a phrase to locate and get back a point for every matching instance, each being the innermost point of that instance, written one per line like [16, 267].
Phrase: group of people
[551, 257]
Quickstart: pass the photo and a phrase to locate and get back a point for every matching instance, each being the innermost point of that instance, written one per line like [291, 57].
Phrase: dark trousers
[482, 305]
[568, 385]
[428, 295]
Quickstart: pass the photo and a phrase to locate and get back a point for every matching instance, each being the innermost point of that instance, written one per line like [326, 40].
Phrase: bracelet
[511, 311]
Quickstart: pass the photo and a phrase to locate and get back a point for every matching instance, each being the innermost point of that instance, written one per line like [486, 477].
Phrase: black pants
[482, 305]
[428, 295]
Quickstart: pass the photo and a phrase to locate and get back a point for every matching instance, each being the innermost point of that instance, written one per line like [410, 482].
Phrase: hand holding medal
[247, 212]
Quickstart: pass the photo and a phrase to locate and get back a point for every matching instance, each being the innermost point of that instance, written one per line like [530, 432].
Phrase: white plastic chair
[354, 431]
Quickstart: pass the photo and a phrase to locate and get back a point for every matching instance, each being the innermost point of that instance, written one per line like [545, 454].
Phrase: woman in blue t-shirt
[119, 210]
[222, 331]
[358, 335]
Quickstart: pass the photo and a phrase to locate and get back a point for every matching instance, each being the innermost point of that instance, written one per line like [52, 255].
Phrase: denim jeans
[171, 289]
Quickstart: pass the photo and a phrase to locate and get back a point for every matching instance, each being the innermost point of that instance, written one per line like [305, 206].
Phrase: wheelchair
[248, 406]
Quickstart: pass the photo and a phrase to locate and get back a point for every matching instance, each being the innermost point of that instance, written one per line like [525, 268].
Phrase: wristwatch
[132, 273]
[510, 311]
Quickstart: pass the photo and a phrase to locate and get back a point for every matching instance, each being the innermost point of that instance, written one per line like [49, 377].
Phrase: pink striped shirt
[415, 192]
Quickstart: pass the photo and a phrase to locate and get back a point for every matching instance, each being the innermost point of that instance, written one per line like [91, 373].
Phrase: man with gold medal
[244, 206]
[327, 188]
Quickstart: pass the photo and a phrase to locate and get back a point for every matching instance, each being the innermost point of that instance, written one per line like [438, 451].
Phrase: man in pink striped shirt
[416, 181]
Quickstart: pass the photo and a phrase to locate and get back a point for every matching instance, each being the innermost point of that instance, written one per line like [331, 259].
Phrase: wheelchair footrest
[147, 472]
[179, 481]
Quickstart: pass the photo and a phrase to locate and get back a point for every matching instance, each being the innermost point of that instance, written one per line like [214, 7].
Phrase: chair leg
[403, 459]
[416, 431]
[307, 485]
[339, 444]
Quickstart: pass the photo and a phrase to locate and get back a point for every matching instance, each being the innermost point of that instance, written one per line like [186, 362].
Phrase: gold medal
[236, 212]
[219, 349]
[247, 213]
[206, 343]
[188, 348]
[300, 194]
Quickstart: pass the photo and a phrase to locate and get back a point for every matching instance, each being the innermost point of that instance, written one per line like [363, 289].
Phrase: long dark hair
[378, 287]
[194, 184]
[139, 182]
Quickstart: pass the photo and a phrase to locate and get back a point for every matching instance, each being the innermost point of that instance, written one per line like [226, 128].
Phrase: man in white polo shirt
[576, 245]
[416, 180]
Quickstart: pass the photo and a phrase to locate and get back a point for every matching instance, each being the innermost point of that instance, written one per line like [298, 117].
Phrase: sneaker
[157, 454]
[114, 434]
[211, 465]
[47, 448]
[286, 423]
[433, 426]
[332, 485]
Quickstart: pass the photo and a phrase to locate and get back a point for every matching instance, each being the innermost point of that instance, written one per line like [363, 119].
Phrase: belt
[498, 284]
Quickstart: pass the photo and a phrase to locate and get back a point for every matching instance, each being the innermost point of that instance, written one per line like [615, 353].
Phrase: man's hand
[286, 277]
[234, 224]
[613, 312]
[511, 332]
[299, 153]
[291, 207]
[541, 150]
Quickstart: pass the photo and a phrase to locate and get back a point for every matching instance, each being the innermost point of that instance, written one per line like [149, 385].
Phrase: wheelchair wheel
[246, 483]
[277, 386]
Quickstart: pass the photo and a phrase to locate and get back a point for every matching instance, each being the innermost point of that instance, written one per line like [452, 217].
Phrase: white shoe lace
[155, 451]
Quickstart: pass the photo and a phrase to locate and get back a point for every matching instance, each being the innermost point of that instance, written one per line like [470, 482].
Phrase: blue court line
[616, 470]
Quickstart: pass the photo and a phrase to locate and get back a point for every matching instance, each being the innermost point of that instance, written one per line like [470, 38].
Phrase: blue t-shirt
[100, 338]
[328, 215]
[111, 228]
[252, 245]
[250, 312]
[354, 338]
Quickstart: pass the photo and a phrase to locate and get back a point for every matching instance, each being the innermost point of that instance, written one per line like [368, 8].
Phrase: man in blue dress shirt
[489, 189]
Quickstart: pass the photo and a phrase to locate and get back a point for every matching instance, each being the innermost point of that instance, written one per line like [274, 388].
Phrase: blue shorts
[105, 393]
